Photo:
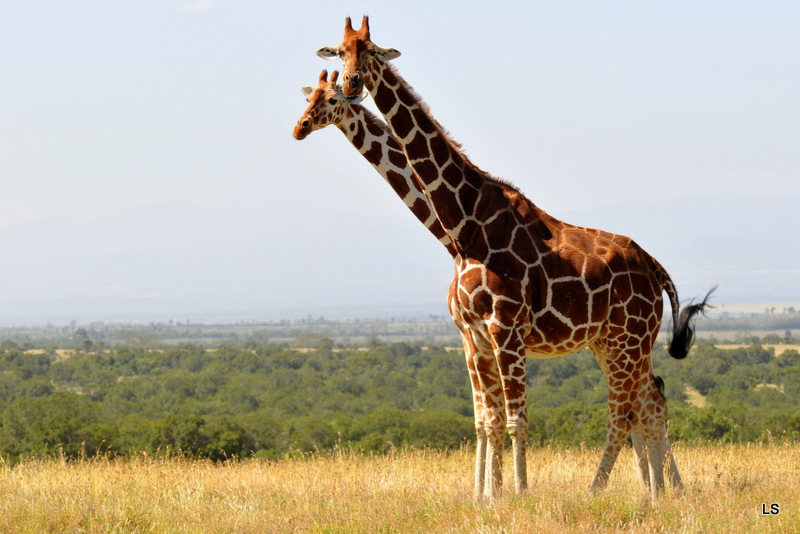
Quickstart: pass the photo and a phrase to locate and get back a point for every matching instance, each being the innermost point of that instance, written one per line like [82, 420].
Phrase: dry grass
[695, 398]
[417, 491]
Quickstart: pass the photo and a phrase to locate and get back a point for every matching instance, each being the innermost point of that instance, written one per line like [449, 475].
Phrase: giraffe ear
[307, 91]
[385, 54]
[358, 98]
[328, 52]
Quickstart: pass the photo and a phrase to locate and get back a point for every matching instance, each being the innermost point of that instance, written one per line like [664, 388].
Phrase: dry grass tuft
[413, 491]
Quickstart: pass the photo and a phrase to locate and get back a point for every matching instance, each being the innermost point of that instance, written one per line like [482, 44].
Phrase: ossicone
[363, 31]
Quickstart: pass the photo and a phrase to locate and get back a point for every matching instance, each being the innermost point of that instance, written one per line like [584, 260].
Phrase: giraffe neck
[373, 139]
[457, 191]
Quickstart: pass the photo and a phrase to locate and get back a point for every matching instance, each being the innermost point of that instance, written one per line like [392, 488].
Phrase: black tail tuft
[660, 386]
[683, 328]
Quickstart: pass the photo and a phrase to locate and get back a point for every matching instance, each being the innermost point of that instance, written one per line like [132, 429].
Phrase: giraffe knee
[494, 427]
[518, 429]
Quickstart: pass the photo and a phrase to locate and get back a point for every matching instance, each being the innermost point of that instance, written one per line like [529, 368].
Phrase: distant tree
[771, 339]
[441, 430]
[704, 424]
[183, 433]
[62, 420]
[37, 386]
[788, 358]
[389, 425]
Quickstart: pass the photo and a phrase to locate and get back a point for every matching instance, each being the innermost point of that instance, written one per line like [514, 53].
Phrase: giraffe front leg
[518, 429]
[489, 405]
[494, 427]
[510, 355]
[471, 353]
[480, 459]
[494, 458]
[517, 416]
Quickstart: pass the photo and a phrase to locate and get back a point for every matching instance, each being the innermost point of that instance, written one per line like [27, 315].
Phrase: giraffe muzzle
[302, 129]
[353, 84]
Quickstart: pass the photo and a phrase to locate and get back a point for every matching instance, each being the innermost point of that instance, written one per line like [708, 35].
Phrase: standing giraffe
[528, 284]
[327, 105]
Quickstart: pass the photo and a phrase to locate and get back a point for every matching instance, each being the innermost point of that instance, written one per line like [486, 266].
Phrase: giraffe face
[326, 105]
[357, 53]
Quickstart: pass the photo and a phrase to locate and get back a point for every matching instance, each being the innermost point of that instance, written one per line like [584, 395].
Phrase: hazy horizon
[149, 171]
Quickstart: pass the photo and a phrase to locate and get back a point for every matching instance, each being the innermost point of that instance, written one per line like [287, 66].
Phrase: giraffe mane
[458, 148]
[374, 118]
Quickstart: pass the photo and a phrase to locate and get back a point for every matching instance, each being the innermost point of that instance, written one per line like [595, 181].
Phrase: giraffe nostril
[304, 123]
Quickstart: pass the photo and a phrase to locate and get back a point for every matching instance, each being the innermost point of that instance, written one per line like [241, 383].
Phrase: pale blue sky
[160, 133]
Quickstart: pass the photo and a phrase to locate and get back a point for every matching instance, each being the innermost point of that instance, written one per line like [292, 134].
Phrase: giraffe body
[529, 285]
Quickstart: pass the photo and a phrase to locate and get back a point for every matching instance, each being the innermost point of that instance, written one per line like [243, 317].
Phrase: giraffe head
[357, 51]
[326, 105]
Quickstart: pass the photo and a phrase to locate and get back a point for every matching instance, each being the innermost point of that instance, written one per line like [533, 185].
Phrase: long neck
[373, 139]
[454, 186]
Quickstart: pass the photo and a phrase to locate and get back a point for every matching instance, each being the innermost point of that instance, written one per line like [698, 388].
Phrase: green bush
[266, 399]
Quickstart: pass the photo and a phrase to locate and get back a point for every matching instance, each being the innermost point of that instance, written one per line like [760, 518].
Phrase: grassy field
[727, 490]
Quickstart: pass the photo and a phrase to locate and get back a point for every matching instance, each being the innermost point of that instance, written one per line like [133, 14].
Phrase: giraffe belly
[533, 354]
[551, 336]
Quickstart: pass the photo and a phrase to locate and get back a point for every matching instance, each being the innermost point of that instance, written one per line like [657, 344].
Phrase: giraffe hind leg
[657, 446]
[640, 457]
[643, 464]
[659, 453]
[661, 444]
[674, 475]
[618, 431]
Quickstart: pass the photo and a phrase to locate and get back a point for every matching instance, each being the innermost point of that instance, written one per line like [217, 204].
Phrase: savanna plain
[732, 414]
[728, 488]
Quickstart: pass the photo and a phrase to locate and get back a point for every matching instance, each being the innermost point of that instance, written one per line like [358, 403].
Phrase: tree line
[268, 400]
[432, 329]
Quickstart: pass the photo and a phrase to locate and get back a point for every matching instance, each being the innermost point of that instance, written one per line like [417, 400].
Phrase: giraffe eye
[332, 100]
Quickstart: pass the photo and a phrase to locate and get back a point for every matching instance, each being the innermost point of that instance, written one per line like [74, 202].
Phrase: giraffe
[373, 139]
[530, 285]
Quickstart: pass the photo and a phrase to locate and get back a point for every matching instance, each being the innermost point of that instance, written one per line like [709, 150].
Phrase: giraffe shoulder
[539, 223]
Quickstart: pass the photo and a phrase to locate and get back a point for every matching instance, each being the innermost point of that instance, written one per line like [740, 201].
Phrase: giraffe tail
[660, 386]
[682, 319]
[683, 326]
